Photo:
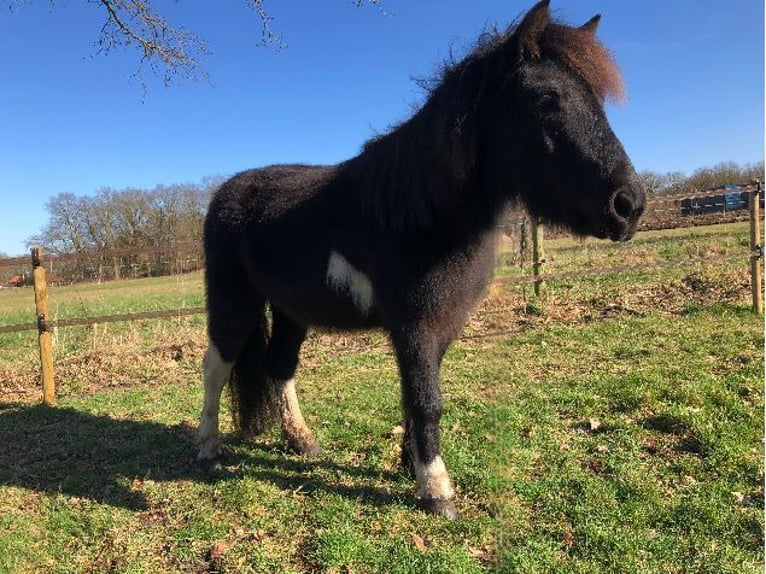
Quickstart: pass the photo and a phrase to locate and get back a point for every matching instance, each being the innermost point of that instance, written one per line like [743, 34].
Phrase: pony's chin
[623, 236]
[584, 223]
[604, 226]
[621, 231]
[581, 225]
[614, 233]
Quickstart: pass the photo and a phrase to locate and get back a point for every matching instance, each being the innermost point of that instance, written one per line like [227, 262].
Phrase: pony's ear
[591, 25]
[530, 30]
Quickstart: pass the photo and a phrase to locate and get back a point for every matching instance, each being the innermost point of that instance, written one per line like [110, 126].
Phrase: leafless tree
[108, 228]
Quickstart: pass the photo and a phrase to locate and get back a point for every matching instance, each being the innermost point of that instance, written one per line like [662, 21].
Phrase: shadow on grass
[62, 450]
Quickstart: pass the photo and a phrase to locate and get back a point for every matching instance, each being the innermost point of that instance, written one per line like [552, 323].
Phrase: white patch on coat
[345, 278]
[433, 480]
[216, 374]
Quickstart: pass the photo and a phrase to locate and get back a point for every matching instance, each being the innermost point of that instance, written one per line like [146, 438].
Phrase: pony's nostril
[623, 204]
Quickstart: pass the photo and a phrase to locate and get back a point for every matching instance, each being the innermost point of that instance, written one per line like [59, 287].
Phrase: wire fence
[195, 248]
[101, 319]
[663, 211]
[502, 280]
[698, 205]
[617, 269]
[107, 264]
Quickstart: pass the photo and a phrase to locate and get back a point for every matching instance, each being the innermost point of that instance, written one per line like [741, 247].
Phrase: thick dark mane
[582, 52]
[416, 175]
[412, 177]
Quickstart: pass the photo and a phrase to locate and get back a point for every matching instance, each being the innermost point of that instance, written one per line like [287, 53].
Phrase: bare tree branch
[268, 36]
[172, 53]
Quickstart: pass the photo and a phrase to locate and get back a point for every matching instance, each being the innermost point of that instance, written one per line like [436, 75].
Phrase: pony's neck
[426, 174]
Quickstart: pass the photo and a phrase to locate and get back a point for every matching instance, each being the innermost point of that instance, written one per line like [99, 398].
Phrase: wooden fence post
[41, 307]
[538, 256]
[756, 249]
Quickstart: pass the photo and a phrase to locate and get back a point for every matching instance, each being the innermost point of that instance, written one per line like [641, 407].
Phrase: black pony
[402, 236]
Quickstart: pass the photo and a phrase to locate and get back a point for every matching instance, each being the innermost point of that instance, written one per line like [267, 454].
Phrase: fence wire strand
[695, 211]
[118, 318]
[504, 280]
[508, 280]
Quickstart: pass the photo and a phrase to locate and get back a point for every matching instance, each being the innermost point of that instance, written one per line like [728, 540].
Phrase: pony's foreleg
[216, 373]
[419, 368]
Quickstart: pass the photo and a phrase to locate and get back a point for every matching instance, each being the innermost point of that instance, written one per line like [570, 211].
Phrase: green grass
[614, 426]
[670, 476]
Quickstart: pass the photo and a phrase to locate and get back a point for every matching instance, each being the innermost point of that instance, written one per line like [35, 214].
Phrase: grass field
[614, 426]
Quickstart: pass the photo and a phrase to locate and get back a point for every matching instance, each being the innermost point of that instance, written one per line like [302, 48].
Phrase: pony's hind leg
[216, 373]
[283, 351]
[230, 328]
[296, 435]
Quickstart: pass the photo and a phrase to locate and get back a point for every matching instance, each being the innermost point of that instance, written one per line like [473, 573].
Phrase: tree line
[134, 232]
[703, 179]
[128, 218]
[131, 232]
[166, 215]
[170, 215]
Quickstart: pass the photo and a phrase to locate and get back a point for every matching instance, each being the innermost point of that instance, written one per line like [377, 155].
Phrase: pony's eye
[549, 102]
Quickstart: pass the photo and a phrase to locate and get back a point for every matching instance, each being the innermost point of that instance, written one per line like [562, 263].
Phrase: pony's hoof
[311, 449]
[441, 507]
[210, 465]
[304, 447]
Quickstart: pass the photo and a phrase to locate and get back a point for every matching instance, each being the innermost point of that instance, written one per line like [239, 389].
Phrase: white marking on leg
[296, 431]
[433, 480]
[216, 373]
[344, 277]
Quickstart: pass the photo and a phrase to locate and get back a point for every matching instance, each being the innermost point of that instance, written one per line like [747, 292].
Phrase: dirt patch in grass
[509, 309]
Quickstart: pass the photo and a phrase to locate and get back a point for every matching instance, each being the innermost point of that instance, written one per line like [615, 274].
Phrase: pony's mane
[414, 175]
[585, 55]
[577, 48]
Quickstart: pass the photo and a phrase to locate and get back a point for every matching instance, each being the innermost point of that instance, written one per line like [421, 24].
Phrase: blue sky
[75, 121]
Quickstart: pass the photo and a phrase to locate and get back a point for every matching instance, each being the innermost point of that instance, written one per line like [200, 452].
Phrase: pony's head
[567, 165]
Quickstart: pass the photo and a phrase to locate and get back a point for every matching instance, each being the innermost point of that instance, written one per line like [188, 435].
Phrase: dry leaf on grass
[421, 543]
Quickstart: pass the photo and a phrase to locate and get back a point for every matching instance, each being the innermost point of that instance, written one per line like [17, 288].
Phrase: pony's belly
[333, 294]
[325, 310]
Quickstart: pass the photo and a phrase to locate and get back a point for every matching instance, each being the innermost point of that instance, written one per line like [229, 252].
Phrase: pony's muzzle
[626, 206]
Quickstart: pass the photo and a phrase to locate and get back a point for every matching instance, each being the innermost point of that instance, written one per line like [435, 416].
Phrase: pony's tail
[253, 396]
